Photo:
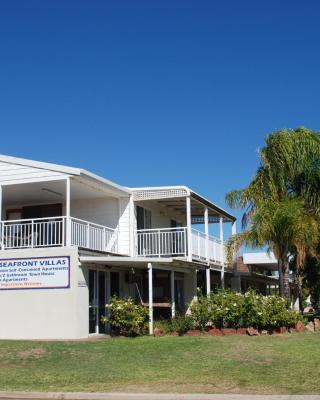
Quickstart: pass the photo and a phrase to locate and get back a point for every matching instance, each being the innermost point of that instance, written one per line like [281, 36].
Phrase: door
[178, 295]
[177, 241]
[47, 232]
[143, 222]
[98, 299]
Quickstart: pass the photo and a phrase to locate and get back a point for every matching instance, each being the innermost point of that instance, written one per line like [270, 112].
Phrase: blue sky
[156, 92]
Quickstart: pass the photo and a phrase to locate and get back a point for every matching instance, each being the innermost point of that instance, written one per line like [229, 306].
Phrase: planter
[193, 332]
[157, 332]
[252, 332]
[214, 332]
[299, 326]
[229, 331]
[241, 331]
[281, 330]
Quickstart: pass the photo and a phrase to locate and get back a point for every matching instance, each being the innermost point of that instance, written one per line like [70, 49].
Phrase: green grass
[231, 364]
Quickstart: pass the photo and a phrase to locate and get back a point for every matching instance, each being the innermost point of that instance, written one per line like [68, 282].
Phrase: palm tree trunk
[299, 286]
[281, 287]
[286, 285]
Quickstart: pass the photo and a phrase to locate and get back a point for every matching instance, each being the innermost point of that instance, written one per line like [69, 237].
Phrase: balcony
[173, 242]
[57, 231]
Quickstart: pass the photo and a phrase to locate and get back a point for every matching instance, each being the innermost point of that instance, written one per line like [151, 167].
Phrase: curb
[7, 395]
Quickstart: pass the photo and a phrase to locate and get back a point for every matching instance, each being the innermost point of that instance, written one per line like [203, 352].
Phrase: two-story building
[71, 239]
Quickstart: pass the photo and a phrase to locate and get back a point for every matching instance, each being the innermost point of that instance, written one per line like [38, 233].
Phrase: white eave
[65, 170]
[259, 258]
[171, 192]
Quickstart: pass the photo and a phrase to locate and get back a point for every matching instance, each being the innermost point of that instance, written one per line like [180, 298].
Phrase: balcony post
[208, 281]
[150, 282]
[189, 232]
[221, 251]
[173, 303]
[2, 225]
[0, 203]
[68, 221]
[206, 229]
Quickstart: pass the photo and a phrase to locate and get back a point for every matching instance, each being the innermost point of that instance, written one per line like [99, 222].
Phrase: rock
[241, 331]
[157, 332]
[310, 327]
[264, 332]
[214, 332]
[228, 331]
[316, 323]
[193, 332]
[252, 332]
[299, 326]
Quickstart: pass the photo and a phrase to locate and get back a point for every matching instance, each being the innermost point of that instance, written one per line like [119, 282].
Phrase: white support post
[2, 226]
[208, 281]
[189, 232]
[150, 278]
[173, 303]
[108, 296]
[206, 229]
[221, 251]
[68, 221]
[0, 203]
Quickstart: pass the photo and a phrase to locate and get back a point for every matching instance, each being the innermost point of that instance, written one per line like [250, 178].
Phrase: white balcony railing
[57, 231]
[162, 242]
[174, 242]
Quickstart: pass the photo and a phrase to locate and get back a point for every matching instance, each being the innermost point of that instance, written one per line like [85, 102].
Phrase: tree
[289, 170]
[286, 228]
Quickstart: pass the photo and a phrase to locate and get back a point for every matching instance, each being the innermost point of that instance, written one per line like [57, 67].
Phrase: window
[143, 218]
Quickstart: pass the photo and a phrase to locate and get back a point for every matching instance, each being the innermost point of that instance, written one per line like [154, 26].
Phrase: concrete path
[146, 396]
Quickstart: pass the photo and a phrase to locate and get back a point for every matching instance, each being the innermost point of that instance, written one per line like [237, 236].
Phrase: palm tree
[289, 170]
[286, 228]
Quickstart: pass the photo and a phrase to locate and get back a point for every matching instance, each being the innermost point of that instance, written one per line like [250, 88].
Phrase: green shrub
[254, 310]
[181, 324]
[226, 308]
[201, 312]
[164, 325]
[277, 313]
[126, 318]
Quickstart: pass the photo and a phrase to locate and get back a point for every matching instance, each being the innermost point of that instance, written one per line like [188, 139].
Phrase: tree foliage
[281, 204]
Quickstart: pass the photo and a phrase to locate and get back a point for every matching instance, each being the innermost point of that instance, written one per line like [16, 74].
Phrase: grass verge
[283, 364]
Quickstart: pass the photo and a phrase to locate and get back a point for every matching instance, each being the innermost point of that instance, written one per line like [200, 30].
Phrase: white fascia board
[189, 192]
[125, 260]
[40, 165]
[121, 190]
[259, 258]
[66, 170]
[137, 189]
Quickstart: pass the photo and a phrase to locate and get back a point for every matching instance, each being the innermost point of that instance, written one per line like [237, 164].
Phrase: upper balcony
[47, 205]
[173, 242]
[57, 231]
[177, 222]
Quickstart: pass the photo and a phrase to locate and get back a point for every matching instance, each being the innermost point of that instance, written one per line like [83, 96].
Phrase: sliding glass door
[98, 299]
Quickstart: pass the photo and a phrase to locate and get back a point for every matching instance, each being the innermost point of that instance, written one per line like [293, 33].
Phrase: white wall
[125, 226]
[11, 173]
[161, 216]
[45, 313]
[103, 211]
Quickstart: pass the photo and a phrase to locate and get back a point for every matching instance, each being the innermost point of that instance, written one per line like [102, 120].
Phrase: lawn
[233, 364]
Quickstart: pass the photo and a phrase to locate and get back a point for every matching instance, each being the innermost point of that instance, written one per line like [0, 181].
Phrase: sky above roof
[156, 93]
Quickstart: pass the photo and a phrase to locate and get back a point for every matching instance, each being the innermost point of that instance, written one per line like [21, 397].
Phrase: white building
[71, 239]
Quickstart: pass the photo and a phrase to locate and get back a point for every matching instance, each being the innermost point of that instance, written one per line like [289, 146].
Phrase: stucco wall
[46, 313]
